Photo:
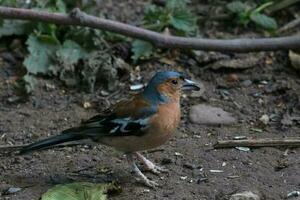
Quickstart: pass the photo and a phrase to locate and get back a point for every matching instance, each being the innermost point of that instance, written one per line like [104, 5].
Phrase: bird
[145, 121]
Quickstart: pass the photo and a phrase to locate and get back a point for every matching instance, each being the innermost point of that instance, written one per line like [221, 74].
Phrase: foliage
[175, 17]
[245, 14]
[141, 49]
[65, 52]
[78, 191]
[40, 56]
[13, 27]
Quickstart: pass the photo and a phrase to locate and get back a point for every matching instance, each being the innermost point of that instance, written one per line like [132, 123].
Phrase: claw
[140, 176]
[150, 166]
[147, 182]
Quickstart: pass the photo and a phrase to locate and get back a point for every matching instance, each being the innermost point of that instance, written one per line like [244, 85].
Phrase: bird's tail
[66, 136]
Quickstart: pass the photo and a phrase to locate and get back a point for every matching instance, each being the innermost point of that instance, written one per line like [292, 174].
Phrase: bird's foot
[139, 175]
[154, 168]
[147, 182]
[150, 166]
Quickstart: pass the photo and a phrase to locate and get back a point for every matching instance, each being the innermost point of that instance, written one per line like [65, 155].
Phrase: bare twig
[281, 5]
[79, 18]
[267, 142]
[292, 24]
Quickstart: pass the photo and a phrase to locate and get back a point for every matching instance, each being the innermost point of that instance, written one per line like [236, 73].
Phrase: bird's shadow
[50, 179]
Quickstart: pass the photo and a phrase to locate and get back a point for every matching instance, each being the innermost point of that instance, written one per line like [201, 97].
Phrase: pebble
[295, 59]
[232, 78]
[13, 190]
[245, 149]
[87, 105]
[246, 83]
[178, 154]
[136, 87]
[239, 137]
[183, 177]
[216, 171]
[264, 119]
[247, 195]
[206, 114]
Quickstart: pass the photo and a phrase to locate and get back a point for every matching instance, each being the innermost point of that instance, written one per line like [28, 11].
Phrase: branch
[78, 18]
[267, 142]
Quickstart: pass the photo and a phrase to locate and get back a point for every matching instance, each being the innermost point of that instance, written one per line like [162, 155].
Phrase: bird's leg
[150, 166]
[138, 172]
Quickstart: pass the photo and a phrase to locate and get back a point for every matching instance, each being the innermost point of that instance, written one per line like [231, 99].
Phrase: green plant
[175, 17]
[60, 51]
[245, 14]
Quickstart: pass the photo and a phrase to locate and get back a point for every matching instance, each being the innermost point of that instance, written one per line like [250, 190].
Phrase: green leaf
[77, 191]
[40, 55]
[263, 6]
[174, 4]
[156, 18]
[70, 52]
[236, 7]
[61, 6]
[13, 27]
[183, 20]
[264, 21]
[141, 49]
[30, 83]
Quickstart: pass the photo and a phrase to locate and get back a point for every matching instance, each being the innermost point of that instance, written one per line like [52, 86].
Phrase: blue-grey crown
[151, 93]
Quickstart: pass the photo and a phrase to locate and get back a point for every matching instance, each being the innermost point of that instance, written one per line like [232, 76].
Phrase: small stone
[13, 190]
[178, 154]
[87, 104]
[136, 87]
[216, 171]
[247, 195]
[256, 94]
[104, 93]
[246, 83]
[264, 119]
[245, 149]
[183, 177]
[205, 114]
[295, 59]
[240, 137]
[264, 82]
[232, 78]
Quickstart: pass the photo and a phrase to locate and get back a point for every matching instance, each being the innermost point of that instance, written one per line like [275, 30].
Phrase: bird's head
[166, 86]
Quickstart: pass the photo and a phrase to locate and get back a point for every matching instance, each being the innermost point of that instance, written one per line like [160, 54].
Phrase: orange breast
[163, 125]
[167, 118]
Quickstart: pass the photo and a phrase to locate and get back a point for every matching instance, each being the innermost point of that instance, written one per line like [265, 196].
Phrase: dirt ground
[270, 172]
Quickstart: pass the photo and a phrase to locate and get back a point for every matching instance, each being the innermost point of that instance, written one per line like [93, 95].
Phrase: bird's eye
[174, 82]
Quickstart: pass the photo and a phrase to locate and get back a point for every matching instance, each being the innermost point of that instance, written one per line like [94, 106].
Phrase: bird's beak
[190, 85]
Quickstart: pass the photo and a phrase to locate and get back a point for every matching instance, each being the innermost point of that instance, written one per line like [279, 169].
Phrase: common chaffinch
[146, 121]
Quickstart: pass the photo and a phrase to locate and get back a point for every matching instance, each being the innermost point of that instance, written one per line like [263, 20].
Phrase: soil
[189, 156]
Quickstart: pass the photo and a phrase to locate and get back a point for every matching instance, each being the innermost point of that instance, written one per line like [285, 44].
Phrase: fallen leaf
[78, 191]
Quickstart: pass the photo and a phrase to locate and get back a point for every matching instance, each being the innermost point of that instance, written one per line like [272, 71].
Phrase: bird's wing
[127, 118]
